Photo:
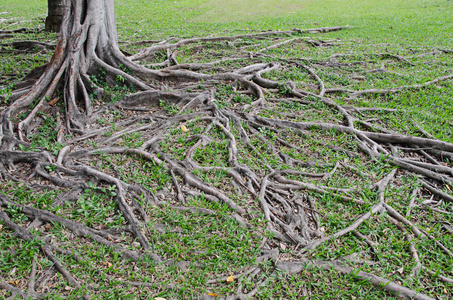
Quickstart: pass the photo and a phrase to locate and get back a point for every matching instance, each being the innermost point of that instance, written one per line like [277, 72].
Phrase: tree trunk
[87, 43]
[55, 14]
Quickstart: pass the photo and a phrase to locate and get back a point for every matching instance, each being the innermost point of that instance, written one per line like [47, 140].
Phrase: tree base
[226, 141]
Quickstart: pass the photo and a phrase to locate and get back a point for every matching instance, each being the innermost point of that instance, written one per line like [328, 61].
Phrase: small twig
[412, 198]
[179, 193]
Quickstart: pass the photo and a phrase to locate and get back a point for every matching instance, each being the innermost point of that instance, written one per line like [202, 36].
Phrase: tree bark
[55, 14]
[87, 43]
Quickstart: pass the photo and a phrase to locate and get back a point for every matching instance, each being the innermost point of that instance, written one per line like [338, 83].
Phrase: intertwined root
[286, 190]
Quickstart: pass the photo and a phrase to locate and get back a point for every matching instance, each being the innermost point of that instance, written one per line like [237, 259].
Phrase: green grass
[215, 245]
[396, 22]
[402, 22]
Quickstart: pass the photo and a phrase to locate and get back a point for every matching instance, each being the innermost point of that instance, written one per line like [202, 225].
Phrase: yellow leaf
[230, 279]
[15, 282]
[107, 264]
[213, 295]
[184, 128]
[448, 187]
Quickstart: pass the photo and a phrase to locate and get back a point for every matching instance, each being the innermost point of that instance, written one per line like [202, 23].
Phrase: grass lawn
[389, 44]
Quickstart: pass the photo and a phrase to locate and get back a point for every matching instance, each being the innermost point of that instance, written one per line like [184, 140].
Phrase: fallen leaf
[159, 298]
[54, 101]
[283, 246]
[15, 282]
[106, 263]
[68, 288]
[213, 295]
[230, 279]
[150, 111]
[401, 270]
[448, 187]
[184, 128]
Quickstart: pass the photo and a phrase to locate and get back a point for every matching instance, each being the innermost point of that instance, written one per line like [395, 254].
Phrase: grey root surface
[286, 198]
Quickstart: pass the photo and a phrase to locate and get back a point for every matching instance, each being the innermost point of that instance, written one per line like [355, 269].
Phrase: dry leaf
[230, 279]
[15, 282]
[68, 288]
[159, 298]
[106, 263]
[54, 101]
[283, 246]
[184, 128]
[213, 295]
[401, 270]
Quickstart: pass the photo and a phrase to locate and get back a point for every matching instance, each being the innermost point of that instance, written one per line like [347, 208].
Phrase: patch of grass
[46, 135]
[216, 245]
[97, 206]
[114, 88]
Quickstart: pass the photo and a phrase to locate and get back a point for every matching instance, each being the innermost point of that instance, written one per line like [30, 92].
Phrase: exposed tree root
[287, 197]
[394, 288]
[30, 45]
[21, 30]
